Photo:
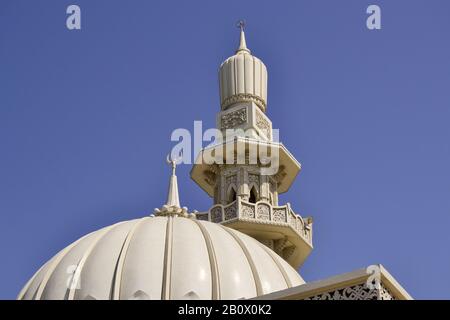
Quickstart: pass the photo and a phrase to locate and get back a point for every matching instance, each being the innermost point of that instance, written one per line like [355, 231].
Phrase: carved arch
[231, 193]
[253, 193]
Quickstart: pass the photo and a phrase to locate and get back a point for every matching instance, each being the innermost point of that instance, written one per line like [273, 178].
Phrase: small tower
[243, 183]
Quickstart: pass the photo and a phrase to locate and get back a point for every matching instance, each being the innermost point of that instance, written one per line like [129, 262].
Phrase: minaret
[245, 190]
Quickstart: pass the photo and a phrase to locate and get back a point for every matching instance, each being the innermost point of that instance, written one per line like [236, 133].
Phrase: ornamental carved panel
[356, 292]
[299, 225]
[230, 212]
[385, 294]
[262, 124]
[231, 180]
[296, 222]
[233, 119]
[253, 179]
[279, 215]
[263, 212]
[247, 211]
[216, 214]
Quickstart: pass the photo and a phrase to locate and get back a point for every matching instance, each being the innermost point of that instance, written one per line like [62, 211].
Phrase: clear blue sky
[86, 118]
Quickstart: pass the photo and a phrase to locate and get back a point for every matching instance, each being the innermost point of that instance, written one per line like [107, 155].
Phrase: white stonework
[166, 257]
[248, 117]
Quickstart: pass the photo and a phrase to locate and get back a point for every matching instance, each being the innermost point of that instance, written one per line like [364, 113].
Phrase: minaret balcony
[278, 227]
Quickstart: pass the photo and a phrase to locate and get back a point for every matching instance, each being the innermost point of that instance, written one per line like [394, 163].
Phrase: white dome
[162, 258]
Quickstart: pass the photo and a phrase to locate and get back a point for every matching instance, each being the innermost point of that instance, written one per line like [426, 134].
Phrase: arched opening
[231, 195]
[253, 195]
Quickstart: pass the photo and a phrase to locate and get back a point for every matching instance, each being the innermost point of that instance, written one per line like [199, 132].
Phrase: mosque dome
[243, 78]
[162, 257]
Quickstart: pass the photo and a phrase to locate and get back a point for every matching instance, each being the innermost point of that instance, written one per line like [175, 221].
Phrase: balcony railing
[260, 212]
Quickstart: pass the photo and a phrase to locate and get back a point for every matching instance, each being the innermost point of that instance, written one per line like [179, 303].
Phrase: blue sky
[86, 118]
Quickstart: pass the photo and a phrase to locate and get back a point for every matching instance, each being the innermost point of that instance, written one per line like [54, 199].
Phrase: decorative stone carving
[233, 119]
[243, 213]
[292, 220]
[231, 180]
[253, 179]
[385, 294]
[263, 124]
[299, 224]
[279, 215]
[216, 214]
[241, 97]
[296, 222]
[230, 212]
[247, 211]
[263, 211]
[356, 292]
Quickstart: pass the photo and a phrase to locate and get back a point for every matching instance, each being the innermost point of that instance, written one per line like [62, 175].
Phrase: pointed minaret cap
[243, 78]
[242, 44]
[172, 206]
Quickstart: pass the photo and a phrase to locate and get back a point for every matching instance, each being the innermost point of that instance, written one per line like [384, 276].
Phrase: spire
[242, 44]
[172, 206]
[173, 199]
